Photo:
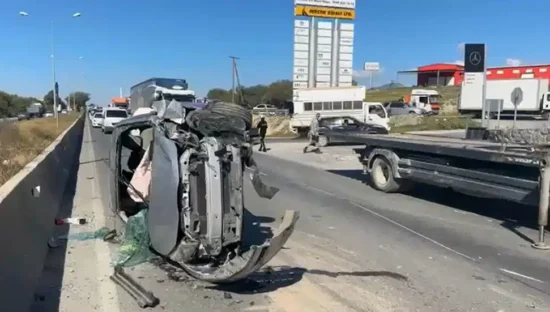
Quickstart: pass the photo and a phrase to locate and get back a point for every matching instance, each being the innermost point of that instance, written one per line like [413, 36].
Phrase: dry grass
[448, 94]
[446, 122]
[21, 142]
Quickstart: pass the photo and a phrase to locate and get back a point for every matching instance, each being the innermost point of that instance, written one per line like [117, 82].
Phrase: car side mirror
[158, 96]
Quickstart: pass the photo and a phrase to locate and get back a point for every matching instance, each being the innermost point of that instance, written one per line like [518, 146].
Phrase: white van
[112, 116]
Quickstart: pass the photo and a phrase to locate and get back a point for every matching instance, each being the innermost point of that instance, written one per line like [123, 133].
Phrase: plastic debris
[102, 233]
[75, 221]
[135, 245]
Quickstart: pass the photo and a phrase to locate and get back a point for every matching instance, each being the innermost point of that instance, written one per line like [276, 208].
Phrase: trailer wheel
[381, 176]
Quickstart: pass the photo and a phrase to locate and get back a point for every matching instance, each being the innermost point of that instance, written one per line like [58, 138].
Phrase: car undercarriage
[187, 169]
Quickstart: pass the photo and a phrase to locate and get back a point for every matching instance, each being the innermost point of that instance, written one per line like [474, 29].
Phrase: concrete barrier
[520, 136]
[29, 202]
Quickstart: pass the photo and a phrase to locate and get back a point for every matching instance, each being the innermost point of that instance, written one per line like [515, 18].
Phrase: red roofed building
[452, 74]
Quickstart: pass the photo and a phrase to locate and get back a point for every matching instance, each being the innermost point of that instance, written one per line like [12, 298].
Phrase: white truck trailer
[331, 102]
[535, 102]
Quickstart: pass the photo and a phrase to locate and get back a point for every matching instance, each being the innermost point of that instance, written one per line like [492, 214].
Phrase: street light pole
[81, 84]
[52, 56]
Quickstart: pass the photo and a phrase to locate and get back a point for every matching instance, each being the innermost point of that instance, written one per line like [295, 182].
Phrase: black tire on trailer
[231, 110]
[382, 177]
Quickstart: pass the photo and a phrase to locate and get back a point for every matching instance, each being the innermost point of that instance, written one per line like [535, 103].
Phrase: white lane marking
[521, 275]
[397, 224]
[107, 290]
[320, 190]
[252, 171]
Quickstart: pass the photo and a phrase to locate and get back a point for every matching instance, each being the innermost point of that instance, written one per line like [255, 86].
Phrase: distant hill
[391, 85]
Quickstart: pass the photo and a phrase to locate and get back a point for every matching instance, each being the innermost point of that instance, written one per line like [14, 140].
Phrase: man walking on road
[262, 125]
[314, 134]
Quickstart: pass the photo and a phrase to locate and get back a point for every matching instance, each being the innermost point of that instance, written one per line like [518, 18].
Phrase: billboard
[342, 4]
[371, 66]
[323, 49]
[301, 10]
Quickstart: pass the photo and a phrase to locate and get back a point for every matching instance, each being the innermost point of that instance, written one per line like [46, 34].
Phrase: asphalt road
[356, 249]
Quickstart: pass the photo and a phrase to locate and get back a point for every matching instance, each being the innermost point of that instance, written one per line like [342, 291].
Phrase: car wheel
[381, 176]
[323, 141]
[231, 110]
[412, 112]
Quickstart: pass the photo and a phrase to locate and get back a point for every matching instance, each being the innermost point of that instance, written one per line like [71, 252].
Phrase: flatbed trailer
[519, 173]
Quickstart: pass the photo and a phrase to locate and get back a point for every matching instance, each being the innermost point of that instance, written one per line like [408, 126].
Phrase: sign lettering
[324, 12]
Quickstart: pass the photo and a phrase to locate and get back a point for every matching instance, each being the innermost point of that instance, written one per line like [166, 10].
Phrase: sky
[124, 42]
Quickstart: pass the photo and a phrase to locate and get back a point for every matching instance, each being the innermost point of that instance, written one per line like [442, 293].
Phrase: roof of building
[449, 67]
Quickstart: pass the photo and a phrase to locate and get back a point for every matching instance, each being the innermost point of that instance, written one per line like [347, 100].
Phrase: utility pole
[234, 67]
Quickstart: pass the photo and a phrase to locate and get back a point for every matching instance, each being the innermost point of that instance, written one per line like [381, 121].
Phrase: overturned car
[184, 163]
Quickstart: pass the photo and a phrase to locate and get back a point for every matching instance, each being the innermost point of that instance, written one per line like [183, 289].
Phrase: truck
[332, 102]
[425, 99]
[120, 102]
[483, 168]
[535, 102]
[143, 94]
[35, 110]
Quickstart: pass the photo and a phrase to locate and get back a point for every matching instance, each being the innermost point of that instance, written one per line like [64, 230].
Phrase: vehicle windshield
[434, 99]
[116, 114]
[377, 110]
[179, 97]
[180, 84]
[98, 115]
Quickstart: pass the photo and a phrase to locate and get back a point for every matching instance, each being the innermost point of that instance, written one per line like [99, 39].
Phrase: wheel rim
[323, 141]
[381, 173]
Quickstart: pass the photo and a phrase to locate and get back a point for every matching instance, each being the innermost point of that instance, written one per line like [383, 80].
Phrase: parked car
[97, 120]
[345, 123]
[401, 108]
[264, 109]
[23, 117]
[112, 116]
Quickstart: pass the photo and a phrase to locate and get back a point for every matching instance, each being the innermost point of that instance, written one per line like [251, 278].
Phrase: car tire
[411, 113]
[382, 176]
[323, 141]
[545, 115]
[231, 110]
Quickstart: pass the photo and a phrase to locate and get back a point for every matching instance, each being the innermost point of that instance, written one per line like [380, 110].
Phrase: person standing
[262, 126]
[314, 134]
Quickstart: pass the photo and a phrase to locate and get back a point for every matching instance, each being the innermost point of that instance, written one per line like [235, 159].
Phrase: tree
[78, 99]
[12, 104]
[278, 92]
[48, 101]
[275, 94]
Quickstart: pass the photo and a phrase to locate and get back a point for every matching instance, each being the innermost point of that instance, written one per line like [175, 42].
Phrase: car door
[397, 108]
[331, 124]
[350, 124]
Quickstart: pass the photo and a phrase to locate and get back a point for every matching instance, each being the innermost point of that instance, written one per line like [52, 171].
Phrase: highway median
[37, 162]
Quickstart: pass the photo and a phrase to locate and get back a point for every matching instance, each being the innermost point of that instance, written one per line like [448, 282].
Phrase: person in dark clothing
[262, 125]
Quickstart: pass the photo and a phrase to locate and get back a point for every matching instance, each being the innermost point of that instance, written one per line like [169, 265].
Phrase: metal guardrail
[270, 112]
